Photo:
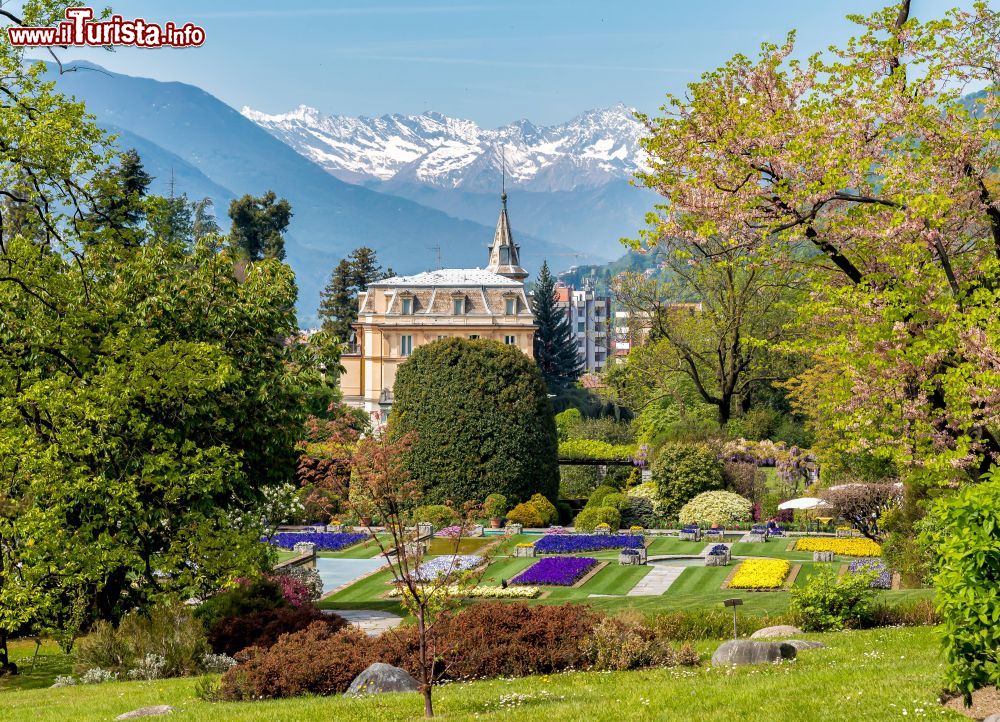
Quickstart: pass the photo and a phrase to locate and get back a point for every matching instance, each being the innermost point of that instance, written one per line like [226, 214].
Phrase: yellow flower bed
[845, 547]
[760, 574]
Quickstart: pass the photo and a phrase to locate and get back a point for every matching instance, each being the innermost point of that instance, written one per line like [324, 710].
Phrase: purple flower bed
[556, 530]
[571, 543]
[718, 550]
[325, 541]
[561, 571]
[450, 532]
[884, 578]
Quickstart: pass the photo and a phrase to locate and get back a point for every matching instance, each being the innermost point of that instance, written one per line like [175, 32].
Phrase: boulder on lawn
[153, 711]
[379, 678]
[782, 630]
[801, 644]
[745, 651]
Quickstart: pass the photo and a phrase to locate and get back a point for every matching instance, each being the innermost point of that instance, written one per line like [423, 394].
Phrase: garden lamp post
[734, 603]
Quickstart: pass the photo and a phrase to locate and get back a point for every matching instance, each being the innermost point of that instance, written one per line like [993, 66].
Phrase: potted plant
[495, 506]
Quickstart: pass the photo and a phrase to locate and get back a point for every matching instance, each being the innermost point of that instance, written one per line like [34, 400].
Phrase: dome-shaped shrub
[716, 507]
[589, 518]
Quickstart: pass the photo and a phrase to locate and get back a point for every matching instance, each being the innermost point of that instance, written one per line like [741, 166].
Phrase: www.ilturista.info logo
[79, 28]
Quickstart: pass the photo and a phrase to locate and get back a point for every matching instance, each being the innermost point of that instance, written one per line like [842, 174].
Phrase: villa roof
[455, 277]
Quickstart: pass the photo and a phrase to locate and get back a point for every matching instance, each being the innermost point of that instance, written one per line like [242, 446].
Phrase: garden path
[370, 621]
[656, 582]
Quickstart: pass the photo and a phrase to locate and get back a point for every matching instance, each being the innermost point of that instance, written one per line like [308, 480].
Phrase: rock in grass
[745, 651]
[147, 712]
[782, 630]
[379, 678]
[801, 644]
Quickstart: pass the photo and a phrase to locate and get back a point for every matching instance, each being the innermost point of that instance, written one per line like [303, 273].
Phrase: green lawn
[36, 672]
[850, 681]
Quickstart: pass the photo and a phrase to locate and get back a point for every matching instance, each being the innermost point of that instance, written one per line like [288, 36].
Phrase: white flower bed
[512, 592]
[434, 568]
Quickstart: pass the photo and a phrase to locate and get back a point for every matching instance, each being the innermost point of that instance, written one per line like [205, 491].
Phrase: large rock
[745, 651]
[801, 644]
[782, 630]
[153, 711]
[380, 678]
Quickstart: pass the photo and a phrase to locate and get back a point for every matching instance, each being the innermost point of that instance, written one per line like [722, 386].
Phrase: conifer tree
[259, 224]
[337, 305]
[555, 347]
[203, 219]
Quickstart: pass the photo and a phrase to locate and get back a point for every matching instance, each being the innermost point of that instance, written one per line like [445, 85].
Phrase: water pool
[336, 572]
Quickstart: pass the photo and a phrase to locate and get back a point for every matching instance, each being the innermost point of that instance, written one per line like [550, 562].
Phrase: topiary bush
[616, 501]
[495, 506]
[482, 420]
[591, 516]
[716, 507]
[682, 471]
[546, 509]
[596, 497]
[526, 514]
[440, 515]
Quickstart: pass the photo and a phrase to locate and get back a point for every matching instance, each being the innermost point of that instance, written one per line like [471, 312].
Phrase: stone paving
[658, 581]
[370, 621]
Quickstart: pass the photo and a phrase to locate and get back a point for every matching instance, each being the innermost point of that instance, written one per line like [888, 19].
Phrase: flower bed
[572, 543]
[447, 564]
[450, 532]
[325, 541]
[561, 571]
[556, 530]
[844, 547]
[884, 578]
[515, 592]
[760, 574]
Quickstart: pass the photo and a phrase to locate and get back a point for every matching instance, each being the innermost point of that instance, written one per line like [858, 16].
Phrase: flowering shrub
[450, 532]
[561, 571]
[760, 574]
[844, 547]
[299, 586]
[883, 580]
[447, 564]
[826, 601]
[484, 592]
[716, 507]
[325, 541]
[572, 543]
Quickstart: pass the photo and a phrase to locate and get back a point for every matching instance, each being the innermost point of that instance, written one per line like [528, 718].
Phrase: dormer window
[510, 306]
[458, 305]
[407, 308]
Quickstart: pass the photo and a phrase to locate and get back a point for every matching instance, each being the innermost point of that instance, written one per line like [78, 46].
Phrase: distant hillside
[234, 156]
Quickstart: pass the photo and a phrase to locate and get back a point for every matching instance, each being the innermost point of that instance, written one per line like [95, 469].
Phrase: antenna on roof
[437, 252]
[503, 175]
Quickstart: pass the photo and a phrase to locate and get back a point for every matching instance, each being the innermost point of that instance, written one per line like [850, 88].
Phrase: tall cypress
[555, 345]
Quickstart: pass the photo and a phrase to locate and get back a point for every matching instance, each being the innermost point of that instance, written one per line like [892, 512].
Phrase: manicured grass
[441, 545]
[872, 675]
[669, 545]
[773, 548]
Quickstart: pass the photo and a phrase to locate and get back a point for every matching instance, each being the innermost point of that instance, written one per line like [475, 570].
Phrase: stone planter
[603, 531]
[844, 533]
[520, 551]
[476, 530]
[690, 535]
[335, 528]
[513, 528]
[415, 549]
[632, 557]
[305, 548]
[822, 556]
[757, 537]
[425, 528]
[717, 560]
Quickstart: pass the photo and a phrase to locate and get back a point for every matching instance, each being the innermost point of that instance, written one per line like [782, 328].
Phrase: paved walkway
[370, 621]
[655, 583]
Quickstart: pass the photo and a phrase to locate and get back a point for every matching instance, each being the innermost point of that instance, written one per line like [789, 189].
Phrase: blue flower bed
[884, 578]
[325, 541]
[719, 550]
[563, 572]
[571, 543]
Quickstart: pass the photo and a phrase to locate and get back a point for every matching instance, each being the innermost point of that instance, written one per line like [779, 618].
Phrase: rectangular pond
[336, 572]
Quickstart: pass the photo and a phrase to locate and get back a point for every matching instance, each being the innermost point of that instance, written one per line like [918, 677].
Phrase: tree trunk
[426, 671]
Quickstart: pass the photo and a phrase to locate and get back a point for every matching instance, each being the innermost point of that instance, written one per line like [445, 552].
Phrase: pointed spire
[505, 255]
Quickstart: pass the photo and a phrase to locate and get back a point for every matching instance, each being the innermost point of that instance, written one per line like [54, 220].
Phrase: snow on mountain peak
[592, 149]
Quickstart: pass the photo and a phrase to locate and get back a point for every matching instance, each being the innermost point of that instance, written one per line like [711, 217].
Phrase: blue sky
[492, 62]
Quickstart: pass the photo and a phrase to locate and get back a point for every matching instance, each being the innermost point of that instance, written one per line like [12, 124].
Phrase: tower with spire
[505, 255]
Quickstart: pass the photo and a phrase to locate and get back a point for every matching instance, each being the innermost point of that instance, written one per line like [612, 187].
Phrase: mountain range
[572, 211]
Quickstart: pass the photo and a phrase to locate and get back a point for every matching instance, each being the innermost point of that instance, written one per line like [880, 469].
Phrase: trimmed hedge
[589, 518]
[482, 419]
[682, 471]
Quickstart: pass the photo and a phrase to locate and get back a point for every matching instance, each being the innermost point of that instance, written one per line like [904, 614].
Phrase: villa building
[397, 315]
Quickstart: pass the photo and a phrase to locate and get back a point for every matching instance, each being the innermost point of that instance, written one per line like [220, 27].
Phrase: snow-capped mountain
[591, 150]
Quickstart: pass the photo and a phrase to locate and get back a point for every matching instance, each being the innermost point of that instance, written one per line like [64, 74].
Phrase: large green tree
[258, 225]
[482, 422]
[338, 306]
[148, 394]
[555, 343]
